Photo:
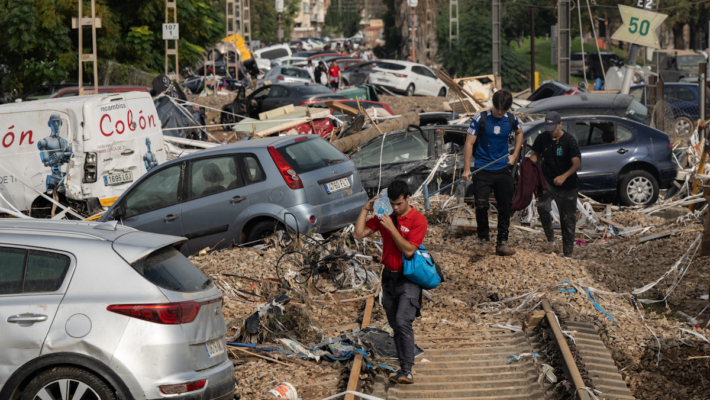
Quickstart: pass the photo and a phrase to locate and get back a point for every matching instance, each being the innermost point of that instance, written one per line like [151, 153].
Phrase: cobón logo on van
[112, 107]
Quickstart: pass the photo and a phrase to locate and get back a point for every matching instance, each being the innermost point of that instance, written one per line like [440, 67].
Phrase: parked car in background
[286, 61]
[46, 89]
[551, 89]
[408, 78]
[269, 97]
[357, 74]
[239, 193]
[619, 157]
[272, 52]
[285, 74]
[325, 57]
[74, 91]
[674, 65]
[309, 53]
[620, 105]
[75, 328]
[681, 99]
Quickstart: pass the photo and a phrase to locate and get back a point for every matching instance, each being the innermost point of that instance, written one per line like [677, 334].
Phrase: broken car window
[591, 133]
[212, 176]
[311, 154]
[296, 72]
[623, 134]
[158, 191]
[312, 89]
[259, 94]
[400, 147]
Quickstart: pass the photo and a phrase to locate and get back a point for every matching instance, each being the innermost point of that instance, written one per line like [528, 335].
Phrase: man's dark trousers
[566, 200]
[501, 182]
[400, 299]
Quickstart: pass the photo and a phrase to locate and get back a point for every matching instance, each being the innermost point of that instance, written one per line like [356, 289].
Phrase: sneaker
[504, 250]
[550, 247]
[405, 377]
[484, 248]
[394, 377]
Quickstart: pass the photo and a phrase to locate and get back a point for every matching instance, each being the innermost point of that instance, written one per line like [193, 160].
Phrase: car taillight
[183, 387]
[399, 75]
[163, 313]
[279, 78]
[289, 175]
[670, 146]
[303, 103]
[312, 219]
[573, 91]
[90, 168]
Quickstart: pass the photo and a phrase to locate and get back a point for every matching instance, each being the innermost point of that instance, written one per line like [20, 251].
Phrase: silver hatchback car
[93, 311]
[239, 193]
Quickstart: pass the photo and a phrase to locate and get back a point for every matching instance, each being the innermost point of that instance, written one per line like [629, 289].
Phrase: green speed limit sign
[639, 26]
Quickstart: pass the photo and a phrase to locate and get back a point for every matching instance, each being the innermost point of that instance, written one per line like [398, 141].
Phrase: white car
[286, 61]
[408, 78]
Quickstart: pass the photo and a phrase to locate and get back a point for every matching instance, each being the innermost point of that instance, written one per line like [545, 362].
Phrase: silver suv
[94, 311]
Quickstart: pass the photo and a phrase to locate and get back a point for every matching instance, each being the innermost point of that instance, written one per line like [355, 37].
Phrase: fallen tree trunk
[349, 143]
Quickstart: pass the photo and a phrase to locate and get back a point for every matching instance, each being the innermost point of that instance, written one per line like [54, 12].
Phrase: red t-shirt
[412, 227]
[333, 72]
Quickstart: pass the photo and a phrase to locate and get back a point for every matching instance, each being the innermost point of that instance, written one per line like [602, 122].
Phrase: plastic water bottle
[382, 205]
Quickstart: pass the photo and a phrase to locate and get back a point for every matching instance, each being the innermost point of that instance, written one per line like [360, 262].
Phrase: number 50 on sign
[639, 26]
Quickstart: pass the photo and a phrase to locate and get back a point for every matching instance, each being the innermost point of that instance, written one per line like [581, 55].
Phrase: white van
[83, 151]
[264, 56]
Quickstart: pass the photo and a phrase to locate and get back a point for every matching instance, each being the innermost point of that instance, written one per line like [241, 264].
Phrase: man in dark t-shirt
[561, 160]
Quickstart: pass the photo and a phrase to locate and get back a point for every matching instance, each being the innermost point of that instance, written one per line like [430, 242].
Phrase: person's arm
[402, 244]
[518, 146]
[468, 147]
[361, 228]
[534, 157]
[576, 165]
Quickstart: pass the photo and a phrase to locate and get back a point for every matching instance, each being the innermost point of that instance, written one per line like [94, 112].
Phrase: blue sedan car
[619, 156]
[682, 99]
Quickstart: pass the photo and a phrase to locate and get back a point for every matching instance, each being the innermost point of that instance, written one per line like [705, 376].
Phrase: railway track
[476, 366]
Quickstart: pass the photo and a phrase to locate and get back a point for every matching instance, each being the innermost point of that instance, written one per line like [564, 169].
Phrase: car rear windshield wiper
[333, 162]
[207, 283]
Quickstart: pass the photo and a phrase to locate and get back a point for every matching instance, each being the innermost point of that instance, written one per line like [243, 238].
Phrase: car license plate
[382, 80]
[338, 185]
[214, 347]
[118, 179]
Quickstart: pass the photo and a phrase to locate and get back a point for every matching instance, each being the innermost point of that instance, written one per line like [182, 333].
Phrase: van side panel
[36, 147]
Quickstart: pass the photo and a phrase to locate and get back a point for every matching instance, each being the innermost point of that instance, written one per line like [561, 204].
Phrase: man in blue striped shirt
[492, 129]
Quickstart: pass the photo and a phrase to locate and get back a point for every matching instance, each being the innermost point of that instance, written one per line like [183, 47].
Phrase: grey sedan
[241, 192]
[285, 73]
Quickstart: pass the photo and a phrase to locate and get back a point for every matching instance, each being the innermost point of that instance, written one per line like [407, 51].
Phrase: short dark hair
[502, 100]
[398, 189]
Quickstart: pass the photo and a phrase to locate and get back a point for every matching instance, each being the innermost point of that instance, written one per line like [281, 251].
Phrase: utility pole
[563, 41]
[279, 10]
[413, 26]
[496, 42]
[453, 19]
[174, 36]
[80, 23]
[532, 48]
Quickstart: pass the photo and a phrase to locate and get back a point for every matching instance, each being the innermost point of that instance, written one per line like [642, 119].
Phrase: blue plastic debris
[570, 291]
[597, 306]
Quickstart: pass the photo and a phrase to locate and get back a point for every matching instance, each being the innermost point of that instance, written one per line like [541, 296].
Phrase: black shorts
[334, 85]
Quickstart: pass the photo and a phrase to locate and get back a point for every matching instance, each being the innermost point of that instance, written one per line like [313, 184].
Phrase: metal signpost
[94, 23]
[279, 10]
[453, 19]
[413, 33]
[171, 32]
[639, 29]
[564, 44]
[496, 41]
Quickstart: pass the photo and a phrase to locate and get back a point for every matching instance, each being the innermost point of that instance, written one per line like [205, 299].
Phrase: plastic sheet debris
[547, 372]
[597, 306]
[514, 358]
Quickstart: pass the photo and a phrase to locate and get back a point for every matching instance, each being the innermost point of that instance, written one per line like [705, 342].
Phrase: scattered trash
[283, 391]
[514, 358]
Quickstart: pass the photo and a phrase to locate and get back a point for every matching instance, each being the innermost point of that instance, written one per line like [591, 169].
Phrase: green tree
[473, 54]
[393, 39]
[342, 18]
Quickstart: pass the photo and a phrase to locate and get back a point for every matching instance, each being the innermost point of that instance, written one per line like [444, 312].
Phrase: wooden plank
[334, 105]
[277, 112]
[610, 222]
[357, 363]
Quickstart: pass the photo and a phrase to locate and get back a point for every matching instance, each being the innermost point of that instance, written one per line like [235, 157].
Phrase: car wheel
[226, 117]
[67, 383]
[410, 90]
[263, 230]
[638, 188]
[442, 92]
[683, 126]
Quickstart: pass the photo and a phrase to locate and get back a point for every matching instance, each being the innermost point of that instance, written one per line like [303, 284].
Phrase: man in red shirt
[334, 75]
[402, 234]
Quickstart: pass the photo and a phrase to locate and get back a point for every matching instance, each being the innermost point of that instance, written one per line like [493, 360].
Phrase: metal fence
[676, 117]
